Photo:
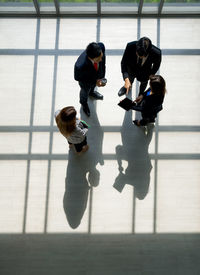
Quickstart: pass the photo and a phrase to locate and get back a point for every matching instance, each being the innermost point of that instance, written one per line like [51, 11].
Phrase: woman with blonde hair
[72, 128]
[149, 103]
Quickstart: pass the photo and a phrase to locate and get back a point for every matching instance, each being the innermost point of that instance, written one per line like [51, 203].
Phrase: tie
[96, 66]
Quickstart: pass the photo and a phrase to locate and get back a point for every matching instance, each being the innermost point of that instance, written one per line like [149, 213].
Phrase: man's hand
[127, 85]
[99, 83]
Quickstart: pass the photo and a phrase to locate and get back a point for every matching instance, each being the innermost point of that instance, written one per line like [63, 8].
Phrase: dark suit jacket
[84, 70]
[130, 68]
[150, 105]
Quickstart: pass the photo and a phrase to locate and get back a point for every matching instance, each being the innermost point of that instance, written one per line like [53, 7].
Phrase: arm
[81, 75]
[82, 70]
[124, 60]
[124, 69]
[77, 73]
[157, 61]
[137, 108]
[82, 131]
[81, 127]
[138, 100]
[103, 59]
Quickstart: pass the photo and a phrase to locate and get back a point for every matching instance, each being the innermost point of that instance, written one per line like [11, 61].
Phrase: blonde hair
[66, 120]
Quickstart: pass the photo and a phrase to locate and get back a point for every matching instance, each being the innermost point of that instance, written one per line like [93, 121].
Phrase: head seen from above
[68, 115]
[94, 52]
[143, 47]
[157, 84]
[66, 120]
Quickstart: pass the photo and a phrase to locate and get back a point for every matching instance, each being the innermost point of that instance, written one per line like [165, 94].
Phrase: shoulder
[155, 50]
[102, 46]
[82, 60]
[78, 124]
[131, 45]
[157, 99]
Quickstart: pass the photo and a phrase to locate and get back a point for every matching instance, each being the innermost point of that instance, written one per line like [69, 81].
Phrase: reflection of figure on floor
[135, 151]
[82, 173]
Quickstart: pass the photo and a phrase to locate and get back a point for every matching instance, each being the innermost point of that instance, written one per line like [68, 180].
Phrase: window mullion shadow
[52, 122]
[31, 124]
[156, 150]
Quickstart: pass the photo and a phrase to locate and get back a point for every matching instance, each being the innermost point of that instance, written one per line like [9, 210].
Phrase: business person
[140, 60]
[89, 71]
[72, 128]
[149, 103]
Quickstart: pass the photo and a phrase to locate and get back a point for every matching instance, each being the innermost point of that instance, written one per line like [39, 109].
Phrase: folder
[126, 104]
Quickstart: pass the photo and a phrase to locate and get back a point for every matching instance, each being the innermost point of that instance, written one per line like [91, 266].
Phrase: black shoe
[136, 122]
[96, 95]
[86, 109]
[122, 91]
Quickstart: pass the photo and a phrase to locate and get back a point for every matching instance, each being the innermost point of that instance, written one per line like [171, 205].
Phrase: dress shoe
[86, 109]
[136, 122]
[122, 91]
[96, 95]
[85, 148]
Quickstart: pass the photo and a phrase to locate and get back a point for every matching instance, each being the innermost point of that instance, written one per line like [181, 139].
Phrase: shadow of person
[82, 173]
[134, 150]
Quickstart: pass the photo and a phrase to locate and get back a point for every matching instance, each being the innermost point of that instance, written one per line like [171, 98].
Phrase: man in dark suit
[140, 60]
[89, 71]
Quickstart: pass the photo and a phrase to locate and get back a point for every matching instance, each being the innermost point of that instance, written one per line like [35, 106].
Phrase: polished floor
[131, 204]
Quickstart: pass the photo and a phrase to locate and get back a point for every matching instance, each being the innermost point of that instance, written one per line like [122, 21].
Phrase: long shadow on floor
[82, 173]
[134, 150]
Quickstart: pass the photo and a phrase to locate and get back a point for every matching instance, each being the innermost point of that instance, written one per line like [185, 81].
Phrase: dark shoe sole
[98, 97]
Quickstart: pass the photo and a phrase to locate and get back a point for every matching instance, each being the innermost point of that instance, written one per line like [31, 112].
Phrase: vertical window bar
[140, 6]
[37, 7]
[160, 7]
[57, 6]
[98, 7]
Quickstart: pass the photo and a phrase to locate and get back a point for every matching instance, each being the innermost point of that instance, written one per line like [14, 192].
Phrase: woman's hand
[138, 99]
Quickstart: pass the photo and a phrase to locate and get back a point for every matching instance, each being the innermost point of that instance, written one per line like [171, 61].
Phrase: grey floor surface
[131, 204]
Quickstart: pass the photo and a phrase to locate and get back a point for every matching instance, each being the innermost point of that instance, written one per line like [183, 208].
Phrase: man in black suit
[89, 71]
[140, 60]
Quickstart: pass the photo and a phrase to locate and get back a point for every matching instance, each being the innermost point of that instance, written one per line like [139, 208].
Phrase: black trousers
[145, 120]
[85, 91]
[143, 84]
[79, 146]
[147, 116]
